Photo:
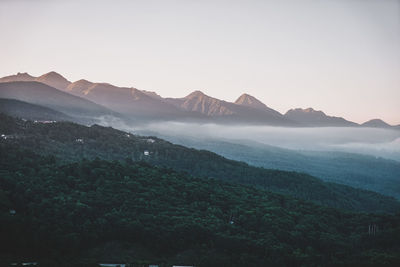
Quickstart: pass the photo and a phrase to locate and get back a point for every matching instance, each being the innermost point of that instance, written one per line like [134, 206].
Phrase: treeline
[72, 142]
[356, 170]
[94, 210]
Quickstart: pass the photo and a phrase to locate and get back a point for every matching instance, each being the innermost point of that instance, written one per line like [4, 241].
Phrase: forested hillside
[100, 211]
[73, 142]
[356, 170]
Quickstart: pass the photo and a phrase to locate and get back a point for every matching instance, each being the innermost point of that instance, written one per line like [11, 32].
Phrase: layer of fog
[372, 141]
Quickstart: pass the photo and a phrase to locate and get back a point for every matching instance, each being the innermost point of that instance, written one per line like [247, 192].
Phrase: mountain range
[311, 117]
[46, 96]
[98, 99]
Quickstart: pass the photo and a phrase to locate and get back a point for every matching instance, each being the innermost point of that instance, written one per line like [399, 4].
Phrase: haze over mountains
[360, 171]
[146, 105]
[21, 109]
[345, 183]
[378, 123]
[312, 117]
[41, 94]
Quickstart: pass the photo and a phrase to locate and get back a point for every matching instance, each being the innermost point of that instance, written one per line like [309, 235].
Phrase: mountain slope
[147, 105]
[356, 170]
[130, 101]
[250, 101]
[314, 118]
[197, 101]
[53, 79]
[61, 139]
[19, 77]
[25, 110]
[220, 111]
[44, 95]
[376, 123]
[152, 94]
[98, 211]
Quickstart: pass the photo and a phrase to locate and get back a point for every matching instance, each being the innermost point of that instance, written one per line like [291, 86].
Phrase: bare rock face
[197, 101]
[55, 80]
[52, 79]
[19, 77]
[79, 87]
[250, 101]
[197, 105]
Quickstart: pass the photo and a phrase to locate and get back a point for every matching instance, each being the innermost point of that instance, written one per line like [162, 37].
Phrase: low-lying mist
[372, 141]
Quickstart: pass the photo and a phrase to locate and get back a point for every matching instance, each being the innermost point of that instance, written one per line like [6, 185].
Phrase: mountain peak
[83, 81]
[312, 117]
[305, 110]
[54, 79]
[196, 94]
[375, 123]
[244, 95]
[20, 76]
[310, 110]
[52, 75]
[244, 98]
[250, 101]
[24, 74]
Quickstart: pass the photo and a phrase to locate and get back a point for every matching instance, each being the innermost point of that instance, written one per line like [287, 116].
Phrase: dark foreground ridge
[99, 211]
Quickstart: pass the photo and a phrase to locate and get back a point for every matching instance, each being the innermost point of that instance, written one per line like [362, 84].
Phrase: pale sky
[339, 56]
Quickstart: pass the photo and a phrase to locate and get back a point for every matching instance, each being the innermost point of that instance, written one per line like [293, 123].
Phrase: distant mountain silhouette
[19, 77]
[250, 101]
[28, 111]
[129, 101]
[54, 79]
[44, 95]
[199, 102]
[147, 105]
[311, 117]
[376, 123]
[223, 111]
[150, 105]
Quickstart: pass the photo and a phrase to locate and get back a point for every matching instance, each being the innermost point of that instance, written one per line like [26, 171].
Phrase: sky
[339, 56]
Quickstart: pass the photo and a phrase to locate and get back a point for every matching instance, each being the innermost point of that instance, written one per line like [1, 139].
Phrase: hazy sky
[340, 56]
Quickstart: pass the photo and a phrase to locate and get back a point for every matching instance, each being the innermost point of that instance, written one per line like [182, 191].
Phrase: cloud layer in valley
[372, 141]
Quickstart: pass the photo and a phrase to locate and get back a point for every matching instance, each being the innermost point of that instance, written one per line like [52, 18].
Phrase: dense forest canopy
[94, 210]
[73, 142]
[367, 172]
[76, 195]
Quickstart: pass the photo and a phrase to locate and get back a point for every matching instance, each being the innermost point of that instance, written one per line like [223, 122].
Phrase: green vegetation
[90, 211]
[72, 142]
[356, 170]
